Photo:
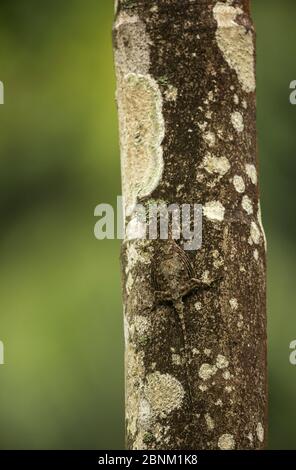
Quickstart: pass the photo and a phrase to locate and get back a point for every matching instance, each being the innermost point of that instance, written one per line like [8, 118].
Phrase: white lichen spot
[256, 254]
[236, 44]
[195, 352]
[218, 262]
[210, 139]
[216, 165]
[237, 121]
[211, 95]
[236, 99]
[171, 93]
[247, 205]
[219, 402]
[202, 125]
[226, 442]
[154, 9]
[206, 371]
[233, 303]
[210, 422]
[203, 388]
[205, 277]
[198, 306]
[255, 234]
[222, 362]
[142, 324]
[226, 375]
[207, 352]
[176, 359]
[239, 184]
[260, 432]
[164, 393]
[228, 389]
[141, 135]
[251, 172]
[214, 210]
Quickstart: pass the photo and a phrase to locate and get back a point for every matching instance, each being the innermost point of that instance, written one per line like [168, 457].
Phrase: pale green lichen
[171, 93]
[247, 204]
[132, 53]
[216, 165]
[206, 371]
[140, 111]
[209, 422]
[255, 234]
[210, 138]
[214, 210]
[236, 44]
[164, 393]
[142, 132]
[226, 442]
[237, 121]
[251, 172]
[239, 184]
[222, 362]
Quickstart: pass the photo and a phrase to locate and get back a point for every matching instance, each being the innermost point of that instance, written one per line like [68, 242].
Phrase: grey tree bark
[187, 112]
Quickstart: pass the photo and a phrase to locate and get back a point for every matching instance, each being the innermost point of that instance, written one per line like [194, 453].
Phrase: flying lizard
[173, 279]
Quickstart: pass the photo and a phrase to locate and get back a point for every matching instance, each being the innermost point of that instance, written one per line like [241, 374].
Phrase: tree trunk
[187, 112]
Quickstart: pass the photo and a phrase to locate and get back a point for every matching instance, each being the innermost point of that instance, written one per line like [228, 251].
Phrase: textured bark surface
[187, 111]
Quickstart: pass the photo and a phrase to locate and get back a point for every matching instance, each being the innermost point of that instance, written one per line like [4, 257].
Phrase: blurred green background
[61, 315]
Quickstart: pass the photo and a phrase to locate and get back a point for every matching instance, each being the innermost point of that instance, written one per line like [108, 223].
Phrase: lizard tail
[179, 306]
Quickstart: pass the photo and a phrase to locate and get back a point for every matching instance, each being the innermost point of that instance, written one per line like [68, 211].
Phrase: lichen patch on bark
[226, 442]
[239, 184]
[247, 204]
[251, 172]
[132, 51]
[236, 44]
[140, 110]
[164, 393]
[237, 121]
[214, 210]
[142, 132]
[216, 165]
